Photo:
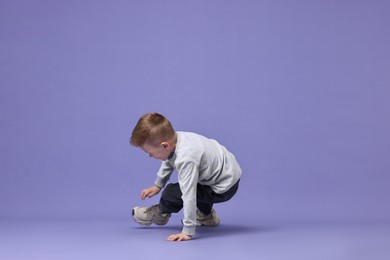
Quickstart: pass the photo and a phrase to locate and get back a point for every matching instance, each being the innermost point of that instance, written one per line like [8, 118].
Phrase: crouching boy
[207, 173]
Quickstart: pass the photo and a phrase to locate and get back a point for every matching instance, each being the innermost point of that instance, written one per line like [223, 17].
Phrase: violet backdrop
[297, 90]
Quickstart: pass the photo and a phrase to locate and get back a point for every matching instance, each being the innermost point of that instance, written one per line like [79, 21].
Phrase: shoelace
[149, 211]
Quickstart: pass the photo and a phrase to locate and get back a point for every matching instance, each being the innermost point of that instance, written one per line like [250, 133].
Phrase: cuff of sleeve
[160, 183]
[189, 230]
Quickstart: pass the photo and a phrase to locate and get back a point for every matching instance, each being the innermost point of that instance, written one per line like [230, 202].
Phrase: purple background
[297, 90]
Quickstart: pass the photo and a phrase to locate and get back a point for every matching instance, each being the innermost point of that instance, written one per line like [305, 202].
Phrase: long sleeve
[188, 179]
[163, 174]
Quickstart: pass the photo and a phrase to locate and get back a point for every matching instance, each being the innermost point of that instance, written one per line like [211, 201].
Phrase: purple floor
[123, 239]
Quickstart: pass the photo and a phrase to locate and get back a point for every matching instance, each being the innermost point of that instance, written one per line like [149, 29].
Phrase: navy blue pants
[171, 202]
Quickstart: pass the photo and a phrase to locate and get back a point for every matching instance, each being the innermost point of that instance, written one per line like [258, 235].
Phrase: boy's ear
[165, 145]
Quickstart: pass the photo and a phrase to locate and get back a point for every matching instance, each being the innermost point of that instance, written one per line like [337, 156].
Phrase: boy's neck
[174, 142]
[173, 145]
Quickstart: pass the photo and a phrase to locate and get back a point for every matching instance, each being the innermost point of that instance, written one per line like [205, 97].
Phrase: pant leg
[170, 201]
[218, 198]
[206, 197]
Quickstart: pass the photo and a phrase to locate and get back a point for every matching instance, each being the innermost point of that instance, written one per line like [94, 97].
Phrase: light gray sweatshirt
[198, 159]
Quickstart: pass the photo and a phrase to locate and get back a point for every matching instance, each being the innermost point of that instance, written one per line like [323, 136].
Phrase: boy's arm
[163, 174]
[188, 181]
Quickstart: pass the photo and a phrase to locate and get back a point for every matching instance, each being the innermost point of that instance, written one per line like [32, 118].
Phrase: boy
[207, 173]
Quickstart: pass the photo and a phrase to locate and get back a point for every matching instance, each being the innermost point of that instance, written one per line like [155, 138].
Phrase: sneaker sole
[199, 224]
[139, 221]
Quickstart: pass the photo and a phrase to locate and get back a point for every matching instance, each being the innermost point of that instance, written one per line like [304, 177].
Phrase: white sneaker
[211, 220]
[149, 215]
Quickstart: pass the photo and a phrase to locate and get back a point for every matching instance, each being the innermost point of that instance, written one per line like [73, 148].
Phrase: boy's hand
[179, 237]
[150, 192]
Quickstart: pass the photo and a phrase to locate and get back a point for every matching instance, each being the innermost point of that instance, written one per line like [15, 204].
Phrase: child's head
[155, 135]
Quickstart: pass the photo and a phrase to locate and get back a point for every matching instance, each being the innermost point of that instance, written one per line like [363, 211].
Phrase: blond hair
[153, 129]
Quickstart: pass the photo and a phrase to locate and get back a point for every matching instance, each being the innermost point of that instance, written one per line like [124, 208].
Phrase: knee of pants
[171, 189]
[171, 186]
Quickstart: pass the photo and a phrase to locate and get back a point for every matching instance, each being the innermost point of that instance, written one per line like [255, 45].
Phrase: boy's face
[160, 152]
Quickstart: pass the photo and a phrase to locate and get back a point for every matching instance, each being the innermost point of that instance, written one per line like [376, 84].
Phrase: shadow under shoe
[149, 215]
